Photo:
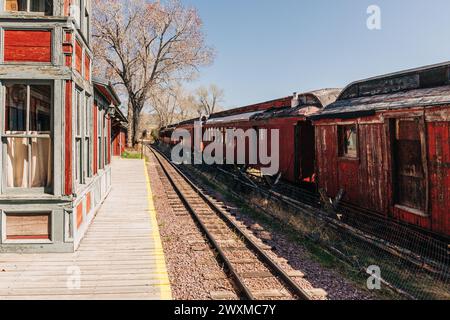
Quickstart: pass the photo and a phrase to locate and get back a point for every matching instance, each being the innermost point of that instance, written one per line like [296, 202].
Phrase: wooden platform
[121, 256]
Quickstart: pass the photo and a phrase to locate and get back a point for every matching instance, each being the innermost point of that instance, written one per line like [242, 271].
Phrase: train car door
[304, 157]
[410, 163]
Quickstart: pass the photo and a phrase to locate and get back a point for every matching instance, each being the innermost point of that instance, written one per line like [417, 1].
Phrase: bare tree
[146, 44]
[209, 99]
[173, 105]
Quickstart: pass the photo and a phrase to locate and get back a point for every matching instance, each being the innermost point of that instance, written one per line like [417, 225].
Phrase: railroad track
[255, 274]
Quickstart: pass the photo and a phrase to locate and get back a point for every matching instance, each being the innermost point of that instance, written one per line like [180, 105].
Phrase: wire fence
[414, 264]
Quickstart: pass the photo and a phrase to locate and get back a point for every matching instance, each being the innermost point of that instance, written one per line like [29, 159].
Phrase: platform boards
[121, 256]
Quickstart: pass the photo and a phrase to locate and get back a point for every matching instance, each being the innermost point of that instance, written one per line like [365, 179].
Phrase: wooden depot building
[55, 126]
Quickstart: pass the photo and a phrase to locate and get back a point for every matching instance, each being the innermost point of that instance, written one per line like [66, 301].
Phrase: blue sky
[269, 49]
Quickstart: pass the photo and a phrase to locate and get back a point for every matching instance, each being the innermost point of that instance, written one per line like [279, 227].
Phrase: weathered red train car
[165, 135]
[386, 143]
[239, 118]
[296, 147]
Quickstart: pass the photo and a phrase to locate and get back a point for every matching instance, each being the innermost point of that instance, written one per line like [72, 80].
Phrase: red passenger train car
[384, 141]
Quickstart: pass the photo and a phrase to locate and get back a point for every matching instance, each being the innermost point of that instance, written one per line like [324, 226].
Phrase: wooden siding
[79, 212]
[23, 226]
[88, 203]
[66, 7]
[373, 168]
[68, 48]
[439, 163]
[119, 143]
[286, 128]
[27, 46]
[365, 179]
[87, 67]
[78, 57]
[368, 181]
[326, 159]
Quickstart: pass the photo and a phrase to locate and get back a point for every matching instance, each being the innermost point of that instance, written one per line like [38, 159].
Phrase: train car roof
[424, 86]
[303, 104]
[261, 106]
[253, 108]
[233, 118]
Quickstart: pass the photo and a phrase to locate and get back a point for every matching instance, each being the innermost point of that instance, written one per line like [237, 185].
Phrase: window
[87, 137]
[86, 25]
[348, 141]
[99, 137]
[79, 130]
[105, 142]
[44, 7]
[27, 136]
[78, 16]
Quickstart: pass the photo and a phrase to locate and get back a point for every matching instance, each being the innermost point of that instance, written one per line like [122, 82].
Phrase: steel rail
[238, 281]
[264, 257]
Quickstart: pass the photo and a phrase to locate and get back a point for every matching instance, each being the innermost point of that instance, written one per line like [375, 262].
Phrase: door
[304, 151]
[410, 170]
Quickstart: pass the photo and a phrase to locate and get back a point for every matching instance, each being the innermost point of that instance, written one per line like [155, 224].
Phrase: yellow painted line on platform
[166, 292]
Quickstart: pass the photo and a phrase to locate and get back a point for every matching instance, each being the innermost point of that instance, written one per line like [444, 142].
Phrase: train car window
[348, 141]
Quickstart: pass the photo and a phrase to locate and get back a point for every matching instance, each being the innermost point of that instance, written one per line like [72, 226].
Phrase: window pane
[350, 141]
[86, 116]
[40, 102]
[16, 107]
[44, 6]
[100, 153]
[17, 163]
[78, 113]
[87, 157]
[16, 5]
[105, 152]
[79, 162]
[41, 162]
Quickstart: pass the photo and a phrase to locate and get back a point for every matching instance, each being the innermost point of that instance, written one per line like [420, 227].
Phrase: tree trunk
[136, 117]
[130, 127]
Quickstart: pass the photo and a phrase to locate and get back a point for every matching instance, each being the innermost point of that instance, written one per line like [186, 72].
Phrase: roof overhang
[106, 89]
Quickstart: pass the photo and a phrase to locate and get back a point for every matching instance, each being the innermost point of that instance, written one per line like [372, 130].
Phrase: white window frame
[79, 137]
[28, 10]
[28, 134]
